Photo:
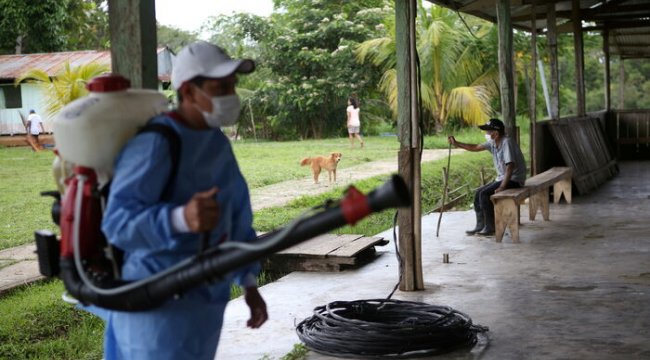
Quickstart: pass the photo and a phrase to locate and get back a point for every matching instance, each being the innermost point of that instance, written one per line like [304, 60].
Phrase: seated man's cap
[493, 124]
[204, 59]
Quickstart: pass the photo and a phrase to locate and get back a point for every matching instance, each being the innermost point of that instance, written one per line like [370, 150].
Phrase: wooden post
[409, 220]
[579, 58]
[133, 41]
[621, 83]
[608, 80]
[533, 91]
[505, 66]
[552, 44]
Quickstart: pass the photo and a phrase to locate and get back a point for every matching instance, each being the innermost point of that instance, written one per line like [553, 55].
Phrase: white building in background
[19, 100]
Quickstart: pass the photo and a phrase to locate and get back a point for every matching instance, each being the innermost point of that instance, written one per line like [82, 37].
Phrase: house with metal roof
[17, 100]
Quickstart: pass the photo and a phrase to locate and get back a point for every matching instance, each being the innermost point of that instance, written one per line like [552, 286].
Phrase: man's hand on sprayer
[202, 211]
[452, 140]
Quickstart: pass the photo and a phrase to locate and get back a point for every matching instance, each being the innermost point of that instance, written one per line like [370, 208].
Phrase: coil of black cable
[384, 328]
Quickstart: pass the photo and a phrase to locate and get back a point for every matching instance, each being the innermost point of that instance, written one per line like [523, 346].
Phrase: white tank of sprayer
[90, 131]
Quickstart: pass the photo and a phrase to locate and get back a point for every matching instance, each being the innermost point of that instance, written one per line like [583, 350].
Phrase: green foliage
[457, 78]
[307, 65]
[313, 59]
[174, 38]
[52, 25]
[299, 352]
[36, 324]
[240, 34]
[86, 25]
[32, 27]
[636, 85]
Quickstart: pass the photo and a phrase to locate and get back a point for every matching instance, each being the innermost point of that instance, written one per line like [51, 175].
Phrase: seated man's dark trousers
[485, 209]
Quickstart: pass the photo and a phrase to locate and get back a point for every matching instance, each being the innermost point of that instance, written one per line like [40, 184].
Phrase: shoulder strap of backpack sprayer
[174, 142]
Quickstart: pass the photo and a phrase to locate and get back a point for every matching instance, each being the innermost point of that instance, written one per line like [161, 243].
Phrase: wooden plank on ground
[354, 247]
[320, 245]
[327, 252]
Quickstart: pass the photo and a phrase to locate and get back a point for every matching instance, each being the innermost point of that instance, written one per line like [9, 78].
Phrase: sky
[190, 14]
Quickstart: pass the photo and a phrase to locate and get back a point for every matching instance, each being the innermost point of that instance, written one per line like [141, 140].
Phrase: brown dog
[323, 162]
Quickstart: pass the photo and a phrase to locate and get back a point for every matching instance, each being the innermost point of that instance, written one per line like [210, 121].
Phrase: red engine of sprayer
[88, 208]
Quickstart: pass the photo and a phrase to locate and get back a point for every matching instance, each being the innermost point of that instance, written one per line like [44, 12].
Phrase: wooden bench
[506, 203]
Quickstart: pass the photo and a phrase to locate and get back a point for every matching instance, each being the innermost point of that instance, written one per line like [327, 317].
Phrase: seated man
[511, 172]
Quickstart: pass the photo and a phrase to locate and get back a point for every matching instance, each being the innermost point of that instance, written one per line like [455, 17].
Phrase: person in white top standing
[35, 127]
[354, 124]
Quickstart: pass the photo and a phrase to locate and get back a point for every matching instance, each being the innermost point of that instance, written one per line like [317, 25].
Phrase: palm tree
[67, 85]
[455, 82]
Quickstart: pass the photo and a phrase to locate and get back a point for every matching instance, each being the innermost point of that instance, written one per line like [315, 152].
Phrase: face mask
[488, 137]
[225, 110]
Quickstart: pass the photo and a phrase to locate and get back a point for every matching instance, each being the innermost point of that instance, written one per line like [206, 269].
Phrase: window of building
[10, 97]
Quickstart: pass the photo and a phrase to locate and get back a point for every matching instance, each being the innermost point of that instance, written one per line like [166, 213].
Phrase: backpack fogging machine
[90, 267]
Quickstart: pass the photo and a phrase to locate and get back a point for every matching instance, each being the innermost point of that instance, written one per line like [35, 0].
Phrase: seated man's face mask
[225, 110]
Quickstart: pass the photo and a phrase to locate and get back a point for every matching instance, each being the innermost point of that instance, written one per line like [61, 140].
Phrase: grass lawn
[23, 175]
[266, 163]
[35, 323]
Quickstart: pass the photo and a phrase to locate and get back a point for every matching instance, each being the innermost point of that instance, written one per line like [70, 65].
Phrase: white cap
[204, 59]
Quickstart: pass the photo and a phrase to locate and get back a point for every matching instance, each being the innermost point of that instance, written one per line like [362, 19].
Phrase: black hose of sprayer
[214, 263]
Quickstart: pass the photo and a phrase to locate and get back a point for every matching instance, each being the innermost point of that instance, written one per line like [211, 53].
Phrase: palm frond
[67, 85]
[380, 52]
[471, 103]
[388, 85]
[34, 75]
[428, 98]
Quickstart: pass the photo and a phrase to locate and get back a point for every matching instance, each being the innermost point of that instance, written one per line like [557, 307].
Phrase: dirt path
[282, 193]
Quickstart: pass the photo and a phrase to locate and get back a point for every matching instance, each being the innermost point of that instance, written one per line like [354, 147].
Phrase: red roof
[13, 66]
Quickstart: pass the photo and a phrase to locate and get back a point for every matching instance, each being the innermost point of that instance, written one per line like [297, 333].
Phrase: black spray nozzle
[392, 194]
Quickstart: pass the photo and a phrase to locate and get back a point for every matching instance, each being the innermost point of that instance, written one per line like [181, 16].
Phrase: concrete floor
[577, 287]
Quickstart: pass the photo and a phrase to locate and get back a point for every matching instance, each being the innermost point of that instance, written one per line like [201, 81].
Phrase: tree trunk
[19, 45]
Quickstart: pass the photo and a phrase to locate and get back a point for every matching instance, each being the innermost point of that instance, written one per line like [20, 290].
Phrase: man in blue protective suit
[509, 164]
[159, 222]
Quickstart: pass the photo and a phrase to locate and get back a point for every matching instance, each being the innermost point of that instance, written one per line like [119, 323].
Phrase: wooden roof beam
[625, 24]
[477, 5]
[628, 45]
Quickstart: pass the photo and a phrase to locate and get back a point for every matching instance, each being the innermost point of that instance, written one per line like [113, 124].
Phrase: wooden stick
[445, 173]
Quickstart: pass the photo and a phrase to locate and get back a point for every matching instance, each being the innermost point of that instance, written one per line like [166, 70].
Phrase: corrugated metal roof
[13, 66]
[627, 21]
